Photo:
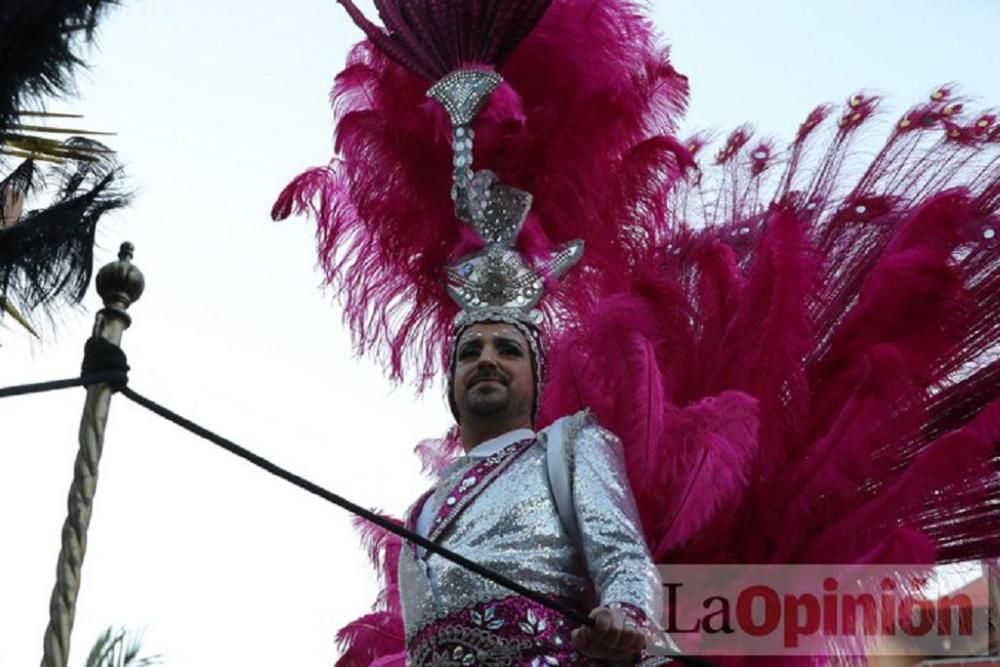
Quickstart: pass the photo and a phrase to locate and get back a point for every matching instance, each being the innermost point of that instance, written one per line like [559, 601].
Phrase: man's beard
[487, 403]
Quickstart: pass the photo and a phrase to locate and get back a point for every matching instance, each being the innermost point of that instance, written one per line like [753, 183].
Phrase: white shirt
[482, 450]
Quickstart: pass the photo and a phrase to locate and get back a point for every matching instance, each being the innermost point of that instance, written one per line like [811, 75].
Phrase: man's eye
[512, 350]
[468, 352]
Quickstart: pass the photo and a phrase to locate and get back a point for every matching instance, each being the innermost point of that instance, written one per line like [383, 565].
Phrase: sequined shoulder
[586, 437]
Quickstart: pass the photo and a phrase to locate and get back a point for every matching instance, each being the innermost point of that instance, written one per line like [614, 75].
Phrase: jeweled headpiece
[496, 281]
[497, 278]
[549, 99]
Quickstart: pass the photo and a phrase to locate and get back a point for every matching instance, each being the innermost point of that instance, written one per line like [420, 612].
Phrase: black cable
[111, 377]
[342, 502]
[103, 362]
[118, 380]
[368, 515]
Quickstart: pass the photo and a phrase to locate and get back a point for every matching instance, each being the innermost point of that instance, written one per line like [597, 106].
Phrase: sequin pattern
[512, 526]
[511, 631]
[455, 497]
[463, 93]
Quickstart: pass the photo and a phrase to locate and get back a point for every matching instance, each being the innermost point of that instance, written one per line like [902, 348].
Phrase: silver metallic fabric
[510, 524]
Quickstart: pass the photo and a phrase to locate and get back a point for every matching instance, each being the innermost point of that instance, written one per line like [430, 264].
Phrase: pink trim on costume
[513, 631]
[636, 615]
[472, 483]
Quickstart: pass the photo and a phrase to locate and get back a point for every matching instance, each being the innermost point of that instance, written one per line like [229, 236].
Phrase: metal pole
[992, 571]
[120, 284]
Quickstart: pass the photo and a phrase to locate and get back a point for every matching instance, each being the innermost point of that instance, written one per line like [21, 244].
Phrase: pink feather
[798, 347]
[583, 90]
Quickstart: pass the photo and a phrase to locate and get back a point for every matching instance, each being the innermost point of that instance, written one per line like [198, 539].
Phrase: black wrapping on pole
[104, 360]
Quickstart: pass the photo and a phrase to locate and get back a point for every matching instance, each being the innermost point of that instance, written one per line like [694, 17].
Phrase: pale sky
[217, 104]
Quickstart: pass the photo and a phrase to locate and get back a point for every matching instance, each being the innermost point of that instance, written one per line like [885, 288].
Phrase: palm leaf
[46, 254]
[118, 648]
[25, 140]
[9, 308]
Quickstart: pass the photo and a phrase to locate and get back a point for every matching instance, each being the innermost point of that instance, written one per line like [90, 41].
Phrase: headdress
[495, 283]
[549, 98]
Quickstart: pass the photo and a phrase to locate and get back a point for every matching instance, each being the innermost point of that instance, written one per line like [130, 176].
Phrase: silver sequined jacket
[510, 524]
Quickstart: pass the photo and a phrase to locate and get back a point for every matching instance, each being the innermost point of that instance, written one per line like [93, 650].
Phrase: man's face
[493, 377]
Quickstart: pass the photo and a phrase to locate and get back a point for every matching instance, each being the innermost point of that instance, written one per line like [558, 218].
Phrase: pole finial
[121, 283]
[126, 251]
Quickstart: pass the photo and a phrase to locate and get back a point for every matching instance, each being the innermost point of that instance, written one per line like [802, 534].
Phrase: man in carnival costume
[552, 509]
[802, 364]
[496, 504]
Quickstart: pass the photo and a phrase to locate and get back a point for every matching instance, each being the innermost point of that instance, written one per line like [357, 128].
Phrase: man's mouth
[494, 380]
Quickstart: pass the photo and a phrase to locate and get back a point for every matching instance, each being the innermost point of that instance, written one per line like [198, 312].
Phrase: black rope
[368, 515]
[54, 385]
[342, 502]
[103, 362]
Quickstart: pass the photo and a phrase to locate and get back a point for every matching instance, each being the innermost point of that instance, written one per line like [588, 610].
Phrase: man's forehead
[488, 330]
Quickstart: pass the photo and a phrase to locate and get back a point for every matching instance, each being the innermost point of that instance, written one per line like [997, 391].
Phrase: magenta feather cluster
[800, 349]
[811, 349]
[582, 122]
[434, 37]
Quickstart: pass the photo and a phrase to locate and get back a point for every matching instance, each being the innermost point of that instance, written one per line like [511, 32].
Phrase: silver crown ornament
[496, 281]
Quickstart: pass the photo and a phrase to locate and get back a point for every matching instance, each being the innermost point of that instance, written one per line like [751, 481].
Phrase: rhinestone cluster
[463, 176]
[496, 277]
[496, 211]
[464, 92]
[501, 212]
[499, 277]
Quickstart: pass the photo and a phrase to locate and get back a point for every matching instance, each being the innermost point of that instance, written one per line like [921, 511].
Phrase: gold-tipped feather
[18, 143]
[48, 114]
[9, 308]
[59, 130]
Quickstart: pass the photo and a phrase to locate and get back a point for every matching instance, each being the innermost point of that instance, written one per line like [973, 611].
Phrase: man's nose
[488, 356]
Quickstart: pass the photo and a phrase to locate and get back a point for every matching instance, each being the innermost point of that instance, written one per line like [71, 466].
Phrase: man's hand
[614, 636]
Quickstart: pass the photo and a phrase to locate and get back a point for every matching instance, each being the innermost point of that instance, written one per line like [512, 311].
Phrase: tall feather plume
[577, 101]
[432, 38]
[855, 306]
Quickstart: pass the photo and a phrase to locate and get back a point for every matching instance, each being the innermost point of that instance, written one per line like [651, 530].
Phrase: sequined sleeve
[616, 556]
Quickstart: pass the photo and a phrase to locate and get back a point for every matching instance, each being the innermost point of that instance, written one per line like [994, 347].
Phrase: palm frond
[119, 648]
[41, 44]
[46, 254]
[102, 648]
[57, 130]
[48, 114]
[7, 307]
[26, 140]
